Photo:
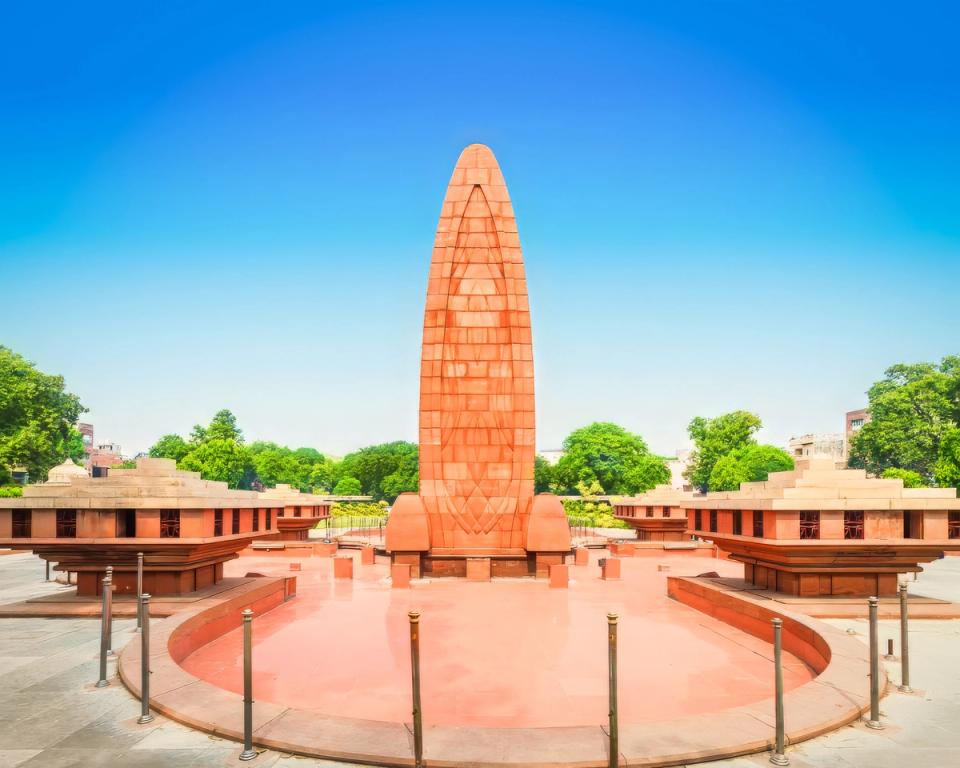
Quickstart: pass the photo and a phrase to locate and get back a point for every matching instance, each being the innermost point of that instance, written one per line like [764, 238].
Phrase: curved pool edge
[837, 696]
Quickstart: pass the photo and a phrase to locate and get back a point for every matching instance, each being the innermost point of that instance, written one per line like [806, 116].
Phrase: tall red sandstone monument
[476, 508]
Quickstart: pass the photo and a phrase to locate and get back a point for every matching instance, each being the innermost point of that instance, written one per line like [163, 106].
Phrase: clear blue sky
[721, 205]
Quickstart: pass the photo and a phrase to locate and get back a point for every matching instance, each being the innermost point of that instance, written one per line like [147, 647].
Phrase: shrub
[591, 514]
[910, 478]
[359, 509]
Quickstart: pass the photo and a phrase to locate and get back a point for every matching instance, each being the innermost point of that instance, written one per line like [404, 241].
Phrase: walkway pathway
[51, 716]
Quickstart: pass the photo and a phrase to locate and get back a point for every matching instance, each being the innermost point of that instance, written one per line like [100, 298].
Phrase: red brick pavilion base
[170, 566]
[820, 567]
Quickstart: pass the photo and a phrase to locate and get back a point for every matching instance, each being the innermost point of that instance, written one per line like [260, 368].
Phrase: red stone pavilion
[476, 509]
[818, 530]
[299, 511]
[186, 527]
[656, 515]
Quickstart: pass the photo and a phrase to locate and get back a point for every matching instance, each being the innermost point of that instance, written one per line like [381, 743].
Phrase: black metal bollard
[614, 713]
[874, 721]
[110, 612]
[778, 757]
[139, 591]
[248, 751]
[143, 608]
[904, 643]
[102, 682]
[414, 617]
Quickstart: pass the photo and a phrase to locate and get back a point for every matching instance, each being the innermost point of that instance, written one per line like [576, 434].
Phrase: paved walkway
[51, 716]
[922, 729]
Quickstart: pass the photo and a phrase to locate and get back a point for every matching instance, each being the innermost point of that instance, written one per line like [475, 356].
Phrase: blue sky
[721, 205]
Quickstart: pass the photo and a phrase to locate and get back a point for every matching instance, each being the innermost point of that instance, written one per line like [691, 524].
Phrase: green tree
[278, 464]
[947, 469]
[749, 464]
[543, 475]
[221, 459]
[912, 409]
[397, 461]
[348, 486]
[714, 438]
[607, 454]
[223, 426]
[645, 473]
[170, 447]
[323, 476]
[910, 479]
[37, 418]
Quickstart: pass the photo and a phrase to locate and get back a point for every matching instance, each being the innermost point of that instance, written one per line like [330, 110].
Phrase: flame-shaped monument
[476, 511]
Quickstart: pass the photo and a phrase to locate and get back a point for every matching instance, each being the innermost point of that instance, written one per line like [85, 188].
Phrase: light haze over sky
[721, 205]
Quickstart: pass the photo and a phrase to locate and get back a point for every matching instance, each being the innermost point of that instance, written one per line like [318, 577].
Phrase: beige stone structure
[657, 515]
[818, 530]
[299, 512]
[186, 527]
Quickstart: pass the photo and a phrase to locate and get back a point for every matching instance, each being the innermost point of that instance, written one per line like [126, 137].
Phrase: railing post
[874, 721]
[904, 640]
[102, 682]
[612, 688]
[143, 609]
[110, 612]
[414, 617]
[139, 591]
[248, 751]
[778, 757]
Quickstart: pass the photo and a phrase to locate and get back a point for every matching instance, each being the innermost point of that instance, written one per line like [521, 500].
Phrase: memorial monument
[476, 509]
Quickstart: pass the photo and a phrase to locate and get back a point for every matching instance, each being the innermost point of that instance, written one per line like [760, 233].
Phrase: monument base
[408, 542]
[500, 564]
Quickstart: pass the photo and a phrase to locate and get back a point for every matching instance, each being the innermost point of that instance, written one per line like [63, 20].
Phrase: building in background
[552, 455]
[86, 433]
[823, 445]
[103, 457]
[855, 420]
[678, 465]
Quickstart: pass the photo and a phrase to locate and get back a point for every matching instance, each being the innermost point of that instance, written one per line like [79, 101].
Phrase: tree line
[913, 434]
[219, 452]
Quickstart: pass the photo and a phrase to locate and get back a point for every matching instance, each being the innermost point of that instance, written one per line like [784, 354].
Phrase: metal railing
[369, 527]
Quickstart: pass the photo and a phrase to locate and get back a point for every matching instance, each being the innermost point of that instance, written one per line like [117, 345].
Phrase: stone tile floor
[51, 716]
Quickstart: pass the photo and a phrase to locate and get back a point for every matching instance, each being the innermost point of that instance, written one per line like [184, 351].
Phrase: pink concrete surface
[508, 653]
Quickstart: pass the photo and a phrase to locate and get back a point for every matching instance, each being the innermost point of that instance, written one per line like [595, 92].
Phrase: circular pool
[503, 654]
